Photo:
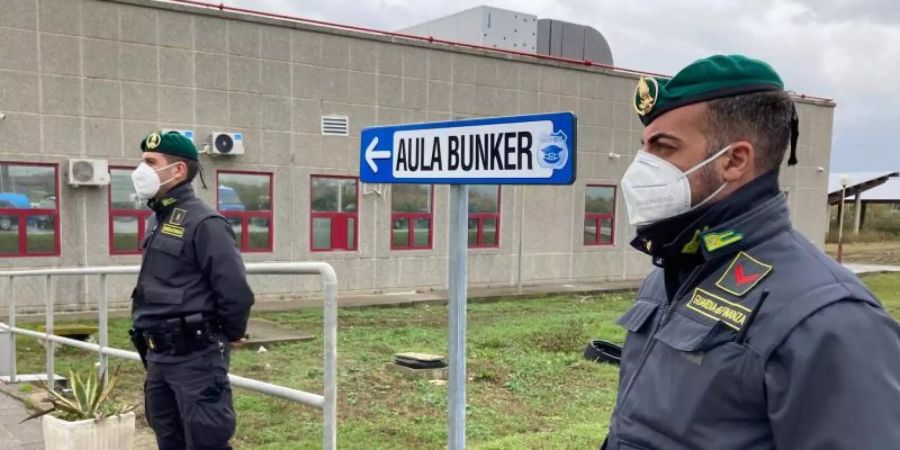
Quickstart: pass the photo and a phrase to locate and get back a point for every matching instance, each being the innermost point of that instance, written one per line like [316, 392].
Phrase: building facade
[88, 79]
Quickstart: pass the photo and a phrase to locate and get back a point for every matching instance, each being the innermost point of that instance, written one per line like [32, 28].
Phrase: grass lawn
[528, 388]
[35, 242]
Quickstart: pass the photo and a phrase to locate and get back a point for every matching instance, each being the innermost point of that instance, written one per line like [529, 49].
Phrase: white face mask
[654, 189]
[146, 180]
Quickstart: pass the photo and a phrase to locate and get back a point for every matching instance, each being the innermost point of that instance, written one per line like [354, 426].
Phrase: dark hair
[762, 119]
[193, 166]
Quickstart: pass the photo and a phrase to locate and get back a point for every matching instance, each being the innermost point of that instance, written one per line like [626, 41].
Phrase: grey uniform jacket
[191, 265]
[818, 367]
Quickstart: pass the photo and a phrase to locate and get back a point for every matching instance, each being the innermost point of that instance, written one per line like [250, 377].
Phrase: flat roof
[888, 192]
[883, 186]
[364, 32]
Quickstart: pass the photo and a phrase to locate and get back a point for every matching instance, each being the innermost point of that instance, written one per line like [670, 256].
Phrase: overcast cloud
[841, 49]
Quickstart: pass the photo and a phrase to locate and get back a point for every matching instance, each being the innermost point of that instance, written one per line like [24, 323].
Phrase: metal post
[329, 408]
[48, 324]
[521, 230]
[104, 327]
[456, 271]
[862, 219]
[840, 252]
[11, 295]
[857, 212]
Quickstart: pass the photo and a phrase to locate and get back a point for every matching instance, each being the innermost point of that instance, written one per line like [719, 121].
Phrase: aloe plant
[90, 399]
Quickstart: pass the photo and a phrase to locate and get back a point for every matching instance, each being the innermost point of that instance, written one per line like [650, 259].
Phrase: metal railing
[326, 402]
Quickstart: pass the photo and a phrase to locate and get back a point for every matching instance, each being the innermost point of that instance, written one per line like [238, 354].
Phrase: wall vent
[335, 125]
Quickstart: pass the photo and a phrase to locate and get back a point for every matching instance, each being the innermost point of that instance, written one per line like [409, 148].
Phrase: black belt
[180, 336]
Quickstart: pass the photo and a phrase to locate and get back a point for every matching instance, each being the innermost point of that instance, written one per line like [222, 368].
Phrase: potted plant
[87, 419]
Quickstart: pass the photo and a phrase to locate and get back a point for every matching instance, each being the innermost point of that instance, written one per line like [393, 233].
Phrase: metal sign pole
[534, 149]
[456, 271]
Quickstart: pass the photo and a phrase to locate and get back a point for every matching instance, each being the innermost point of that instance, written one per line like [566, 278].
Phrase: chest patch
[177, 217]
[743, 274]
[717, 308]
[172, 230]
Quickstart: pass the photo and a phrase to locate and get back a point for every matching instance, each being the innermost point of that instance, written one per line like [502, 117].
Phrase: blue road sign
[532, 149]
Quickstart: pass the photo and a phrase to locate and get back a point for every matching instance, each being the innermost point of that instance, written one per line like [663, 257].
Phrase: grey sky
[848, 50]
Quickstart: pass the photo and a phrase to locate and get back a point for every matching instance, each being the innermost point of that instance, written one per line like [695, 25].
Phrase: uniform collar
[722, 228]
[176, 196]
[747, 230]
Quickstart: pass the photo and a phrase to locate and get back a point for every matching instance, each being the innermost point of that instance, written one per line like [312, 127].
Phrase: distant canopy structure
[864, 188]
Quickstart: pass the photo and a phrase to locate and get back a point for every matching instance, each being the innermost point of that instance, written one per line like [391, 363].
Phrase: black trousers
[188, 403]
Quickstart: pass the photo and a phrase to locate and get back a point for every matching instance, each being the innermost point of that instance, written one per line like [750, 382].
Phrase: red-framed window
[29, 210]
[412, 216]
[245, 199]
[484, 216]
[599, 215]
[334, 213]
[127, 214]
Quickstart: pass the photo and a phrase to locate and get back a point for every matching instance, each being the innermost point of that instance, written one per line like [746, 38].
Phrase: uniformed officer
[746, 336]
[191, 301]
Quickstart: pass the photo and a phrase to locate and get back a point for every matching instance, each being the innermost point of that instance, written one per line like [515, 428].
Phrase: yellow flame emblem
[645, 95]
[152, 141]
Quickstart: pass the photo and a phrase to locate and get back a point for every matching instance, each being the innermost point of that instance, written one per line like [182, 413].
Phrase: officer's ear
[739, 162]
[181, 169]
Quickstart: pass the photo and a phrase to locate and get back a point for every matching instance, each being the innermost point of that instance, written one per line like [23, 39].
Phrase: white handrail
[326, 402]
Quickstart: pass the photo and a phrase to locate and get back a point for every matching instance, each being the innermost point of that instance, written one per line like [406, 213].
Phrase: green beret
[170, 143]
[707, 79]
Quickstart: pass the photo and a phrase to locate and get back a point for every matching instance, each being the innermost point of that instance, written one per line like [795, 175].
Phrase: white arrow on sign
[372, 154]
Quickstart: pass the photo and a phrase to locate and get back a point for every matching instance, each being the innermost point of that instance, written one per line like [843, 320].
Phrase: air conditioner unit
[88, 172]
[227, 143]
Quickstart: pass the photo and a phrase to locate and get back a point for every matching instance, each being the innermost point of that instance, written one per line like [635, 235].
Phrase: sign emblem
[743, 274]
[554, 152]
[152, 141]
[645, 95]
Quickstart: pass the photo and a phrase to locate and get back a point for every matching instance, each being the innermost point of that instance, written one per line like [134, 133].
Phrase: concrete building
[88, 79]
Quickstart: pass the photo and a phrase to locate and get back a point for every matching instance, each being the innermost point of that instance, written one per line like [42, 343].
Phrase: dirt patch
[870, 252]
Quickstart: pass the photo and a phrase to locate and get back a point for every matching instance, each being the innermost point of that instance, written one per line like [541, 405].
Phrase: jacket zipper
[668, 308]
[147, 252]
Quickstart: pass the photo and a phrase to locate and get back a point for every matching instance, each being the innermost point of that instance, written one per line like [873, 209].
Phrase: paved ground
[15, 435]
[266, 332]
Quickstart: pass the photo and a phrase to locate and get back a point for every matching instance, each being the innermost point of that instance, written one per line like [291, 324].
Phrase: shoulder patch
[717, 308]
[715, 241]
[743, 274]
[177, 216]
[172, 230]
